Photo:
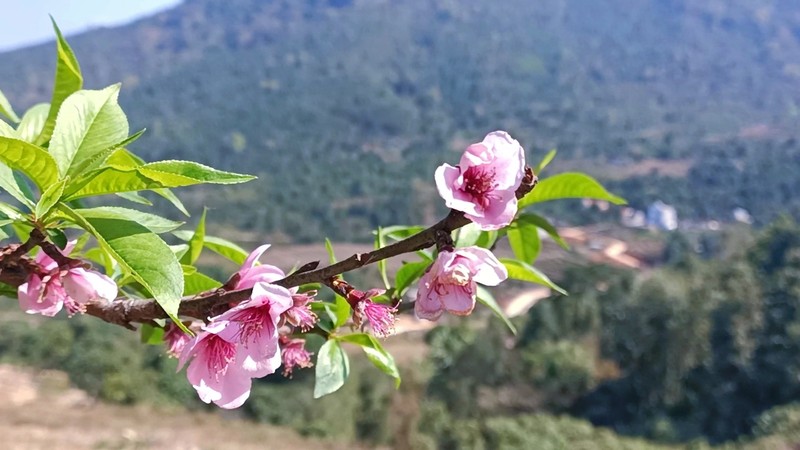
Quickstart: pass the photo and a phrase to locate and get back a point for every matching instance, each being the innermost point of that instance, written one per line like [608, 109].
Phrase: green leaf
[151, 335]
[141, 253]
[57, 237]
[11, 212]
[342, 311]
[544, 162]
[7, 130]
[6, 109]
[468, 235]
[89, 124]
[172, 198]
[542, 223]
[332, 368]
[50, 197]
[185, 173]
[164, 174]
[134, 197]
[518, 270]
[12, 185]
[400, 232]
[523, 236]
[407, 275]
[380, 242]
[152, 222]
[487, 239]
[568, 185]
[379, 357]
[196, 242]
[329, 249]
[29, 159]
[32, 123]
[487, 299]
[218, 245]
[195, 282]
[68, 80]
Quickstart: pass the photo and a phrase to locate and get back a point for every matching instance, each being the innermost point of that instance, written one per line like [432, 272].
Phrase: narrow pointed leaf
[29, 159]
[544, 162]
[185, 173]
[487, 299]
[89, 123]
[196, 242]
[110, 180]
[518, 270]
[7, 130]
[32, 122]
[218, 245]
[408, 274]
[8, 183]
[543, 223]
[152, 222]
[380, 241]
[568, 185]
[195, 282]
[172, 198]
[134, 197]
[50, 197]
[329, 249]
[375, 352]
[6, 109]
[332, 368]
[68, 80]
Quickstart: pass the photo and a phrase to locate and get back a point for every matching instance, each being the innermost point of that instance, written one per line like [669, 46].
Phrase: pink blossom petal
[459, 300]
[489, 271]
[33, 298]
[253, 257]
[84, 286]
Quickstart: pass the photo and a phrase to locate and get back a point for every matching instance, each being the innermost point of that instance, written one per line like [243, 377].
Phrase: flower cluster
[52, 287]
[483, 186]
[250, 339]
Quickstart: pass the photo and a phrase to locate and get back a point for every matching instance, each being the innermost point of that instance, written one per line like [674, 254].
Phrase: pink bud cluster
[250, 340]
[52, 287]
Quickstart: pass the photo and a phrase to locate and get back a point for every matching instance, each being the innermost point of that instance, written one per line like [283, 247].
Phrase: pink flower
[294, 355]
[48, 291]
[250, 273]
[83, 286]
[449, 283]
[253, 324]
[175, 340]
[380, 317]
[300, 314]
[483, 186]
[216, 371]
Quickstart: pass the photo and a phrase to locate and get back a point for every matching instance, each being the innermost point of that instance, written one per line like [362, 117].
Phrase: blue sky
[25, 22]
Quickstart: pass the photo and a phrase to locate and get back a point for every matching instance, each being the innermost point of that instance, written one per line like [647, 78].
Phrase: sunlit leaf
[375, 352]
[68, 79]
[518, 270]
[486, 298]
[29, 159]
[523, 237]
[6, 109]
[152, 222]
[88, 124]
[568, 185]
[32, 123]
[196, 241]
[332, 368]
[139, 252]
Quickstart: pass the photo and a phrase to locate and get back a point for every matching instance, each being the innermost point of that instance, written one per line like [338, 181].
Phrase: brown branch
[126, 311]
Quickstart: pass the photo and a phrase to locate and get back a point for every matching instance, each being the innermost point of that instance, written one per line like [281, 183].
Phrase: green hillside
[345, 107]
